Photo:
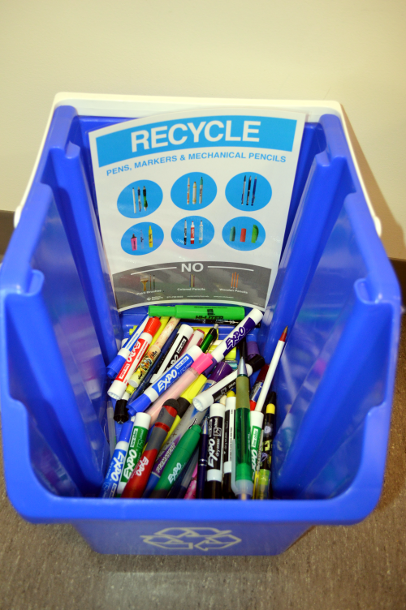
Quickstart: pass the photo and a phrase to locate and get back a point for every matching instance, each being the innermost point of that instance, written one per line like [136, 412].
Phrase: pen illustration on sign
[196, 188]
[152, 197]
[251, 234]
[254, 196]
[234, 280]
[192, 232]
[133, 239]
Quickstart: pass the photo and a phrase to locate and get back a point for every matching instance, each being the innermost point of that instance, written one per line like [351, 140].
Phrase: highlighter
[150, 237]
[254, 235]
[177, 462]
[134, 242]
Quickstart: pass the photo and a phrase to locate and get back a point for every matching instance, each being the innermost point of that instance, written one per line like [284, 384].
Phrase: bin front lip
[123, 106]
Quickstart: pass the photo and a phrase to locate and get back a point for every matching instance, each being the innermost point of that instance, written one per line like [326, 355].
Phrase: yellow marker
[150, 237]
[189, 394]
[230, 356]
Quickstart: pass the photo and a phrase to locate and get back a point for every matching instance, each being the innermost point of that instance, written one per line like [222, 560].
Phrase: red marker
[271, 371]
[119, 385]
[139, 478]
[243, 234]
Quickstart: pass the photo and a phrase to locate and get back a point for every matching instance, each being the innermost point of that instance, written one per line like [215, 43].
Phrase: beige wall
[352, 51]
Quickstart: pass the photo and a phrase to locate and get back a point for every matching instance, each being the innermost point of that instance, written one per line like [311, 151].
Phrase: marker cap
[184, 404]
[152, 326]
[142, 420]
[257, 419]
[126, 431]
[257, 362]
[202, 363]
[115, 366]
[140, 404]
[194, 352]
[121, 412]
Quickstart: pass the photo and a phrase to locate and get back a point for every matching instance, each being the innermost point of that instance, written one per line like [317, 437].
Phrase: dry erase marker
[134, 202]
[135, 448]
[201, 232]
[172, 355]
[194, 193]
[185, 233]
[249, 189]
[112, 479]
[243, 190]
[116, 389]
[144, 195]
[140, 475]
[165, 382]
[271, 371]
[217, 374]
[192, 231]
[201, 190]
[229, 437]
[200, 364]
[256, 422]
[180, 488]
[215, 452]
[188, 192]
[115, 366]
[253, 191]
[237, 334]
[177, 462]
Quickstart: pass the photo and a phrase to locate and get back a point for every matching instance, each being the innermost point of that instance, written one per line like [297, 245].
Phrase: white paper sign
[193, 205]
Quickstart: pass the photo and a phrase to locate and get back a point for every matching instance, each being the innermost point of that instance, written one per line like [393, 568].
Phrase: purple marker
[237, 334]
[252, 346]
[221, 370]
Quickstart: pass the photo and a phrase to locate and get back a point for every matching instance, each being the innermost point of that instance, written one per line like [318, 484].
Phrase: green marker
[198, 312]
[135, 448]
[177, 462]
[211, 336]
[257, 420]
[243, 470]
[254, 235]
[232, 234]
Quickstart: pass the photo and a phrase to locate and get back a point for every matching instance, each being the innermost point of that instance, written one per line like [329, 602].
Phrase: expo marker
[163, 383]
[119, 385]
[177, 462]
[140, 475]
[271, 371]
[173, 353]
[180, 488]
[215, 452]
[237, 334]
[219, 372]
[135, 448]
[200, 364]
[116, 365]
[256, 423]
[111, 481]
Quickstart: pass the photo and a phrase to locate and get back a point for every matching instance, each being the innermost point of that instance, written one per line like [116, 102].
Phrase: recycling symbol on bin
[188, 538]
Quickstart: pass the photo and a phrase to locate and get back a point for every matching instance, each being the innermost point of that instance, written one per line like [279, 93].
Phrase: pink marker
[191, 490]
[134, 241]
[202, 362]
[195, 339]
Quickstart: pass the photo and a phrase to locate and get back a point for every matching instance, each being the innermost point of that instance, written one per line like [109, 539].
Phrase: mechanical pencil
[271, 371]
[243, 487]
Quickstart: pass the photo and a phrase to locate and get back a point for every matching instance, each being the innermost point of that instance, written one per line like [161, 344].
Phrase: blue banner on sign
[203, 132]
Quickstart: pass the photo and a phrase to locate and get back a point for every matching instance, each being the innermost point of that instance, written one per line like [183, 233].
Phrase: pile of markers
[188, 425]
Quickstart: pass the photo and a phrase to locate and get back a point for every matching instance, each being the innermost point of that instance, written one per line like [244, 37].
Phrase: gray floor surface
[341, 568]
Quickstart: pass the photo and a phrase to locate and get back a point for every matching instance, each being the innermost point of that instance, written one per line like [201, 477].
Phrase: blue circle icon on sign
[139, 199]
[142, 238]
[193, 191]
[192, 233]
[244, 233]
[248, 192]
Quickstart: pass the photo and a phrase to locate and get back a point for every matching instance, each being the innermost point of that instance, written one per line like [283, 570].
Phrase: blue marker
[163, 383]
[110, 484]
[115, 366]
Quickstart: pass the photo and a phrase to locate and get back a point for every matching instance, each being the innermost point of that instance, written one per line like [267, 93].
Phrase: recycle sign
[189, 538]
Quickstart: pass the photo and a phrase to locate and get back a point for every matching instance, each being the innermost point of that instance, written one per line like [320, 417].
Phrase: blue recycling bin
[335, 290]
